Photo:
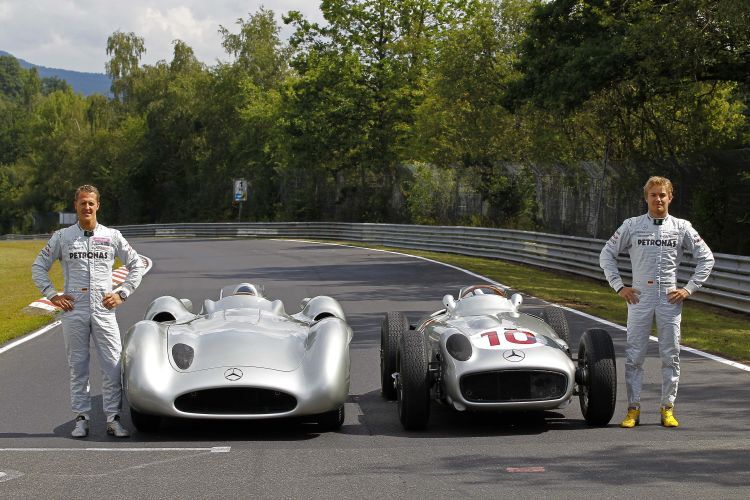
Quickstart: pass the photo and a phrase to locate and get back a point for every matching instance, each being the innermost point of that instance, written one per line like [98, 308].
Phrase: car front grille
[507, 386]
[236, 401]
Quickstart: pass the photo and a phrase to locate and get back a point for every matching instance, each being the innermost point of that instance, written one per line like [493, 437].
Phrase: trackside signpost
[240, 194]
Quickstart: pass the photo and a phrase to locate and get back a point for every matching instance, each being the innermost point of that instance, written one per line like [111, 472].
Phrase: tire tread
[602, 377]
[393, 326]
[555, 317]
[414, 406]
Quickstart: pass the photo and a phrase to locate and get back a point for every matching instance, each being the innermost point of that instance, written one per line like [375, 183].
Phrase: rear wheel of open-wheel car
[597, 377]
[391, 329]
[144, 422]
[413, 382]
[331, 420]
[555, 317]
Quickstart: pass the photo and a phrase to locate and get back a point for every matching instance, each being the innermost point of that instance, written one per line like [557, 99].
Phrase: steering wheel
[496, 290]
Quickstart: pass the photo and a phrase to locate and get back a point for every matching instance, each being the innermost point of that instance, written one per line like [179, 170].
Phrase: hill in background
[82, 83]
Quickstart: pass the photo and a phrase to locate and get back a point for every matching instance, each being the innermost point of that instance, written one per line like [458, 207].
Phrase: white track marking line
[214, 449]
[707, 355]
[30, 336]
[8, 474]
[524, 470]
[149, 264]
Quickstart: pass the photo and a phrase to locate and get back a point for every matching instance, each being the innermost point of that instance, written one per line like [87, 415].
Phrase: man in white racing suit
[655, 242]
[87, 251]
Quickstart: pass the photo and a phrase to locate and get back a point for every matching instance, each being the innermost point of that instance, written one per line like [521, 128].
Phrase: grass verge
[17, 290]
[710, 329]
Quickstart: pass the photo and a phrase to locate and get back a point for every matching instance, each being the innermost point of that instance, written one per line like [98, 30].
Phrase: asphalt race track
[553, 454]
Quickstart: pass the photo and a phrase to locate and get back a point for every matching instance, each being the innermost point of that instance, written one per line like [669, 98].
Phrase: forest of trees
[390, 109]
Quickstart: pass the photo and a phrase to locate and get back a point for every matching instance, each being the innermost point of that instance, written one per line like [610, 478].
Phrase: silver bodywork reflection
[180, 364]
[502, 339]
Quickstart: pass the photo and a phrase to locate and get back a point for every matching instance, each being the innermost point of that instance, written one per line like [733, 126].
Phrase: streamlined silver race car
[481, 353]
[242, 357]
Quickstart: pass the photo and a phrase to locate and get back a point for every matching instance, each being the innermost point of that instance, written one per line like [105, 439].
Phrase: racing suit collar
[87, 232]
[655, 221]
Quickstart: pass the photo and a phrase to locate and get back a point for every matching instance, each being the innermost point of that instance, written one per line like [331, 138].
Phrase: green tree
[257, 50]
[576, 48]
[52, 83]
[387, 46]
[11, 77]
[323, 117]
[15, 214]
[462, 123]
[125, 51]
[249, 90]
[58, 135]
[166, 100]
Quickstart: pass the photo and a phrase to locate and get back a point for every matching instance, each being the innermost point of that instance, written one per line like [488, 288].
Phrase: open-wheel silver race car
[481, 353]
[241, 357]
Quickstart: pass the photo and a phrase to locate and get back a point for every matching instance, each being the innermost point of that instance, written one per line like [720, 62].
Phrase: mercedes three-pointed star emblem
[514, 355]
[233, 374]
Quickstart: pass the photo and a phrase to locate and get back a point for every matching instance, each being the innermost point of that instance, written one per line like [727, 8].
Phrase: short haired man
[655, 242]
[87, 251]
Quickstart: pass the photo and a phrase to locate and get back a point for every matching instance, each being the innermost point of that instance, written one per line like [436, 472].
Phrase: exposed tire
[391, 329]
[413, 382]
[332, 420]
[144, 422]
[555, 317]
[598, 373]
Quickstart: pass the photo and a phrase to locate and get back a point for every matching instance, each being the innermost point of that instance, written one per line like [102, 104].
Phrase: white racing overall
[87, 268]
[655, 247]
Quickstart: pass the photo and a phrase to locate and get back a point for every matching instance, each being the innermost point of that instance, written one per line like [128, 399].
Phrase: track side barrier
[728, 286]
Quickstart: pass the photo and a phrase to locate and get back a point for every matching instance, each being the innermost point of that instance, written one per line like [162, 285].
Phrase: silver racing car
[241, 357]
[481, 353]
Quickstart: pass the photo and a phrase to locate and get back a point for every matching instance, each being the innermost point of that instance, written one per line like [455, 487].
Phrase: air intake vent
[513, 386]
[236, 401]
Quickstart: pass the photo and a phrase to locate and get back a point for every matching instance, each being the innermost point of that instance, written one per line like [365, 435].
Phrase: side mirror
[516, 299]
[304, 302]
[449, 302]
[188, 304]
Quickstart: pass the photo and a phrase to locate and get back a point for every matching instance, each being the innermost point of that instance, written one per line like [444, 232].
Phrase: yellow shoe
[667, 417]
[632, 419]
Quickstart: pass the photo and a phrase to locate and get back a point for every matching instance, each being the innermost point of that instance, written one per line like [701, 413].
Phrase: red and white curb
[43, 305]
[119, 275]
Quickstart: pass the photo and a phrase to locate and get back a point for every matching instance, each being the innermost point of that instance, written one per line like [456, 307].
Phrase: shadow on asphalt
[380, 417]
[197, 430]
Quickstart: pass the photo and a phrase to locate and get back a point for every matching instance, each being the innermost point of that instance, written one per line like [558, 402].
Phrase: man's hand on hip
[677, 296]
[111, 300]
[64, 302]
[631, 295]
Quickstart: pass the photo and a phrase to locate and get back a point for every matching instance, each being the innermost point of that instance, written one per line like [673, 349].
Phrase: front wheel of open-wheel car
[331, 420]
[597, 374]
[144, 422]
[391, 329]
[555, 317]
[413, 382]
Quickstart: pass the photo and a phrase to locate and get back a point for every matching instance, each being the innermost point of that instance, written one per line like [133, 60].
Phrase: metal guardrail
[728, 286]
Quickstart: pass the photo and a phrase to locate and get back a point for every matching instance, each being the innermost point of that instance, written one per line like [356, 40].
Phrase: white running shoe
[115, 428]
[81, 430]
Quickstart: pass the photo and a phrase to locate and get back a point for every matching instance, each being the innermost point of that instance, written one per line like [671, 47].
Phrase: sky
[72, 34]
